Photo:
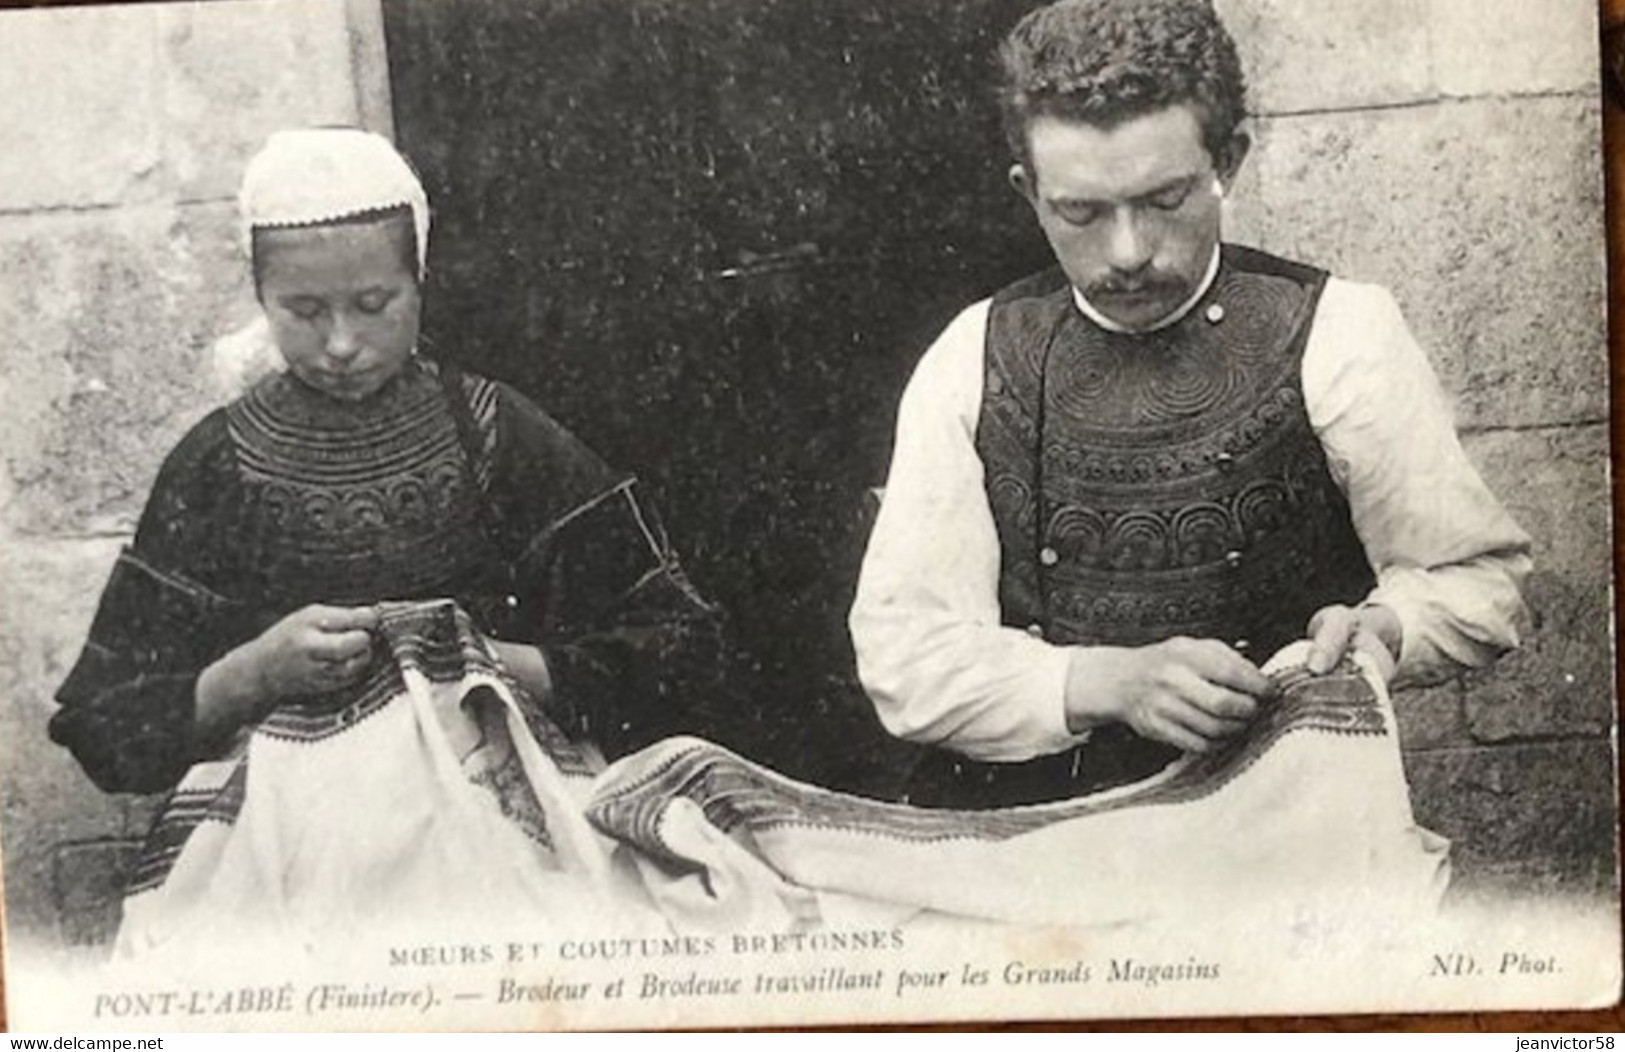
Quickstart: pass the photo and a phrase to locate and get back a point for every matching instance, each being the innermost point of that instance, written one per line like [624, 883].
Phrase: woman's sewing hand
[311, 651]
[314, 650]
[526, 664]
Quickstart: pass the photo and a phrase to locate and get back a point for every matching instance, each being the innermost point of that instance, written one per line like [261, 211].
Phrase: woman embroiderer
[359, 475]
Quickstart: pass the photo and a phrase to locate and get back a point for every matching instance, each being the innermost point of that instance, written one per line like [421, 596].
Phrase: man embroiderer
[1119, 483]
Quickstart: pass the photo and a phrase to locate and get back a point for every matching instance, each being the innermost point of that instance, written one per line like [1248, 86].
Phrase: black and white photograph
[642, 514]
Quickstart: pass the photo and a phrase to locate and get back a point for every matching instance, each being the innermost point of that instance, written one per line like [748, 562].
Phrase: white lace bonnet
[310, 176]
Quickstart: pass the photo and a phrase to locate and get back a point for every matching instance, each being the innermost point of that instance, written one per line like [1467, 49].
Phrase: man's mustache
[1135, 286]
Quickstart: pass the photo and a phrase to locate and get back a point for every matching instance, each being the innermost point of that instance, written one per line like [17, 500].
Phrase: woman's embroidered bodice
[346, 506]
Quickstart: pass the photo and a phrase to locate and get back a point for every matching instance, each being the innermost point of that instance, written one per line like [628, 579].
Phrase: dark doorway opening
[712, 237]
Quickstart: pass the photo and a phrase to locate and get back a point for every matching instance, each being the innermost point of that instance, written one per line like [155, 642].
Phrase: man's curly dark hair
[1107, 61]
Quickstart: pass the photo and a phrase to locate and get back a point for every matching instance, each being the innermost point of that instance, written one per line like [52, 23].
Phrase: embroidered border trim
[737, 795]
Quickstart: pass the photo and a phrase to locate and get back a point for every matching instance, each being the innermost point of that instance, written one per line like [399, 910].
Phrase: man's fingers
[1372, 645]
[1230, 706]
[1165, 730]
[1219, 664]
[1199, 723]
[1331, 631]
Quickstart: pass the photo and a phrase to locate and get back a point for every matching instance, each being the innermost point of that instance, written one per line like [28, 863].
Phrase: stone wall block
[1431, 717]
[233, 73]
[51, 589]
[1496, 47]
[1525, 817]
[1377, 48]
[1559, 683]
[1555, 483]
[90, 879]
[1493, 249]
[1246, 216]
[105, 323]
[369, 61]
[77, 103]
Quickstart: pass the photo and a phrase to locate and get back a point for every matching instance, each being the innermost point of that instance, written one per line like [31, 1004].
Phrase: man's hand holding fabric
[1336, 631]
[1190, 693]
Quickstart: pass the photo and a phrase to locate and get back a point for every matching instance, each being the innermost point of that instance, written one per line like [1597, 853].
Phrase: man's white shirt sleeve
[931, 651]
[1449, 560]
[941, 668]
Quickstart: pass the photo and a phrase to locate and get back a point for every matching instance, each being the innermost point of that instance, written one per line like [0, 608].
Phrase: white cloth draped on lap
[1305, 815]
[428, 799]
[435, 799]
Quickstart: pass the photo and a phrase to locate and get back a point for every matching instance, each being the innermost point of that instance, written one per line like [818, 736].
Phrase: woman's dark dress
[441, 485]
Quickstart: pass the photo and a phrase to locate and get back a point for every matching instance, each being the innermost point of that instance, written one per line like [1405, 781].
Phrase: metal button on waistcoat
[1049, 556]
[1224, 459]
[1035, 630]
[1233, 557]
[1241, 646]
[511, 601]
[1215, 313]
